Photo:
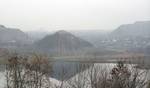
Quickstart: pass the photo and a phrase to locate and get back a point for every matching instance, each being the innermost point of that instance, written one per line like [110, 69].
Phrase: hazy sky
[72, 14]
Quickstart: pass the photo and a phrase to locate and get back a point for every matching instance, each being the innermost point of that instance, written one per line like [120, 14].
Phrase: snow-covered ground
[53, 82]
[83, 79]
[77, 79]
[2, 80]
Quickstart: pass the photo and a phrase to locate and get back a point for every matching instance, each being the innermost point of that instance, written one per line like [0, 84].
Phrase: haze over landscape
[55, 15]
[74, 43]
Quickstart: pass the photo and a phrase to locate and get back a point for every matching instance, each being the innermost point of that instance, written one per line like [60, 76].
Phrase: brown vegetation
[34, 72]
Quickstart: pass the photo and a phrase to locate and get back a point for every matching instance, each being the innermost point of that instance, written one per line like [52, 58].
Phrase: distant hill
[10, 36]
[61, 43]
[134, 36]
[93, 36]
[141, 28]
[37, 34]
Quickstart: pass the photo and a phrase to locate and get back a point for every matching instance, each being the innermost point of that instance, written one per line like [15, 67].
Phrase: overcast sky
[72, 14]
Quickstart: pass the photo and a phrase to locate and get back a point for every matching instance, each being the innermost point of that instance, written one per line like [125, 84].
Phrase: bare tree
[28, 72]
[34, 72]
[127, 76]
